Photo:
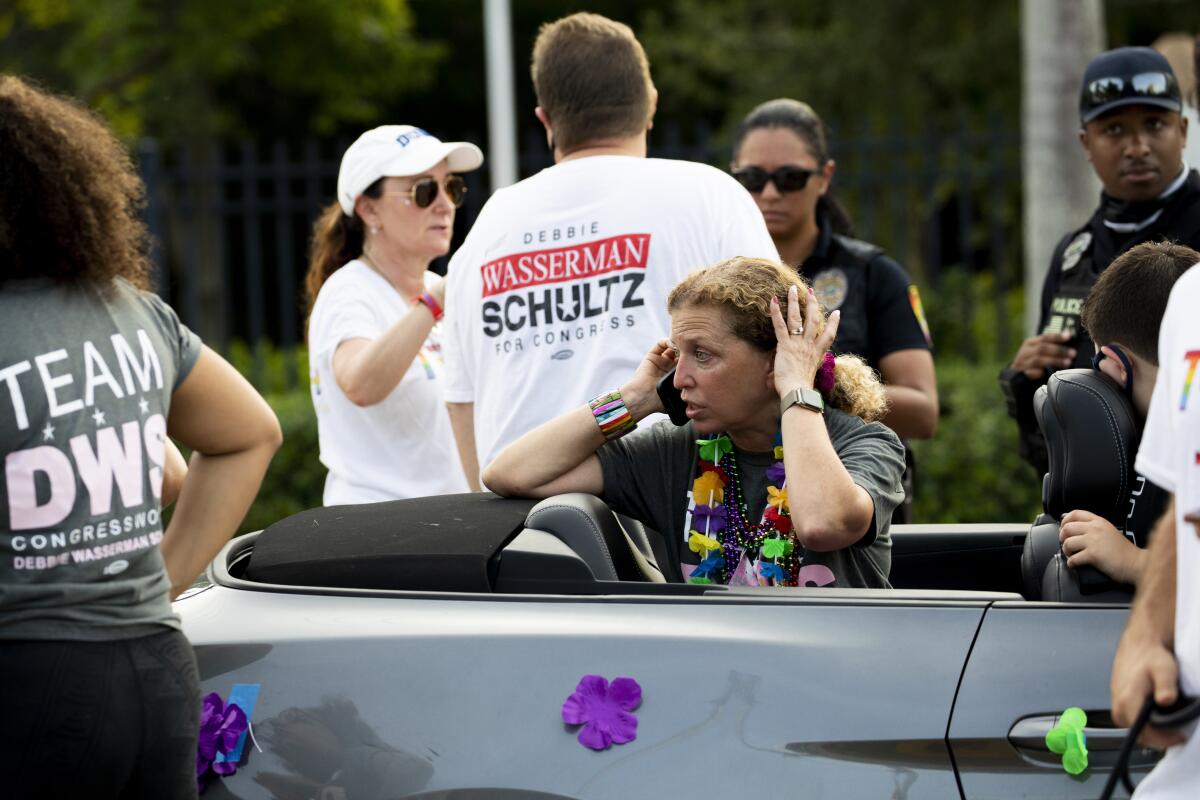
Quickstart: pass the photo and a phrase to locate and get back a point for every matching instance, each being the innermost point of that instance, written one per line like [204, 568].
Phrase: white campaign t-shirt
[400, 447]
[1191, 153]
[560, 288]
[1169, 455]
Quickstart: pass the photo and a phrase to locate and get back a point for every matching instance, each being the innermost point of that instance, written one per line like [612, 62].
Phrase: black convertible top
[444, 543]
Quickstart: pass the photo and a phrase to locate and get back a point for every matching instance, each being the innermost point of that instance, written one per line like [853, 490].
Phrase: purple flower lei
[604, 710]
[221, 726]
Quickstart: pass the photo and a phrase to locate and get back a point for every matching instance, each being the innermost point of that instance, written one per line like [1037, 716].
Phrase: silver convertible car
[424, 649]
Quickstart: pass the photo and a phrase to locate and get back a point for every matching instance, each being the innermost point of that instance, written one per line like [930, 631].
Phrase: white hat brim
[459, 157]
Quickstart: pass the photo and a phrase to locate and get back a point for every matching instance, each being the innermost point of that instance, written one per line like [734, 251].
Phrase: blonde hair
[743, 288]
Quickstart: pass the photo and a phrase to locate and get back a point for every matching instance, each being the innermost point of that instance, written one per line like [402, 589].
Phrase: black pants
[99, 719]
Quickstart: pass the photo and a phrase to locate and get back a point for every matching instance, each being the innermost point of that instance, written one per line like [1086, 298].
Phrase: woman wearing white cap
[373, 334]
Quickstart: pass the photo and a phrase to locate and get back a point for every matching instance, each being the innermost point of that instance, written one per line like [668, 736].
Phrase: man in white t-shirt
[1160, 649]
[561, 285]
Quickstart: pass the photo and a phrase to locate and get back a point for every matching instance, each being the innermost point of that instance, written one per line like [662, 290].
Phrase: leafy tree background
[196, 72]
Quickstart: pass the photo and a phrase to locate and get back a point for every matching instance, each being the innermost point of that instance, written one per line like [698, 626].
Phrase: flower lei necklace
[717, 528]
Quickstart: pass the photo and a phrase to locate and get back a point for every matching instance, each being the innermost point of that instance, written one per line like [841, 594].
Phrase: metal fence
[233, 222]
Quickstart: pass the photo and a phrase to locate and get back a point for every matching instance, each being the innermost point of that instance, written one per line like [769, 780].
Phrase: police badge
[1075, 250]
[830, 288]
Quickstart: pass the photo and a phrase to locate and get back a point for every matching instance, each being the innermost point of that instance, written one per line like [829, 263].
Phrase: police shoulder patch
[830, 288]
[1075, 251]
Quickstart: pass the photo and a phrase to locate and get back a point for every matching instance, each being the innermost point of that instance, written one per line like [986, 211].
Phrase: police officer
[1133, 134]
[781, 156]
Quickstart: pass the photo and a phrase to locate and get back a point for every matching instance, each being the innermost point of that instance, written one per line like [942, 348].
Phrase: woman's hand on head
[640, 392]
[799, 351]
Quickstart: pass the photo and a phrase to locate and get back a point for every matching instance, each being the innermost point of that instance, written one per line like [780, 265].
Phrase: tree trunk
[1060, 189]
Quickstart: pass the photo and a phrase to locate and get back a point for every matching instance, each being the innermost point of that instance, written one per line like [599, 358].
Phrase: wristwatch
[805, 398]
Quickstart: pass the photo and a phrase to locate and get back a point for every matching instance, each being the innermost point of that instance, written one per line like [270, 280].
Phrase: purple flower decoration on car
[221, 725]
[604, 710]
[709, 519]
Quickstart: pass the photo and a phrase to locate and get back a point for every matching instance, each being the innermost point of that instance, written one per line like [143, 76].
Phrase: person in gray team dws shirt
[99, 685]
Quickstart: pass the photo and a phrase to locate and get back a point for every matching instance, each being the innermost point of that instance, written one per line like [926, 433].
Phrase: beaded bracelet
[431, 303]
[612, 416]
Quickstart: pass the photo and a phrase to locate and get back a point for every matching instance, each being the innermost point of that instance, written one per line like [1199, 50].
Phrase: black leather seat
[612, 549]
[1092, 435]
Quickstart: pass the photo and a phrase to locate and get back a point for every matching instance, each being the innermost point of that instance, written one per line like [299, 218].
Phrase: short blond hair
[592, 78]
[743, 287]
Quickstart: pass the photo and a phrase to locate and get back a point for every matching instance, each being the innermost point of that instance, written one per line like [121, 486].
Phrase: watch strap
[805, 397]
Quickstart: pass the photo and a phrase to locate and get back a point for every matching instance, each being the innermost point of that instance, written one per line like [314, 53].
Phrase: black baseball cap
[1128, 76]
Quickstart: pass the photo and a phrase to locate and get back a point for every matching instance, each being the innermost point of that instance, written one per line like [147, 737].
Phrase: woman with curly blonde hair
[776, 472]
[95, 373]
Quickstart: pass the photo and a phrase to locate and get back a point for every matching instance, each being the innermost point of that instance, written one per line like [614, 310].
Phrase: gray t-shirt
[85, 384]
[648, 474]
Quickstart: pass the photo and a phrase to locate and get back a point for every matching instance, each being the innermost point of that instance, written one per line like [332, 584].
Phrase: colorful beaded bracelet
[430, 302]
[612, 416]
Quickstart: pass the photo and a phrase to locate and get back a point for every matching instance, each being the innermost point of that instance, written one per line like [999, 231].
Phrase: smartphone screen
[672, 401]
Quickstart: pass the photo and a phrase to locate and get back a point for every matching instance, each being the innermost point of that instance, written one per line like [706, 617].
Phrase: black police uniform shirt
[881, 309]
[1078, 260]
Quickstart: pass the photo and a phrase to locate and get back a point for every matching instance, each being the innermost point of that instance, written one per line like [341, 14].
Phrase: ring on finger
[797, 332]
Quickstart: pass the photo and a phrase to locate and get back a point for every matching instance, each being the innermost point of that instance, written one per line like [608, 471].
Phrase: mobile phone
[672, 401]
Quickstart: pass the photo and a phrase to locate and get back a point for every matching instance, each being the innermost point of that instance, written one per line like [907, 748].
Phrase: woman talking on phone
[373, 335]
[779, 476]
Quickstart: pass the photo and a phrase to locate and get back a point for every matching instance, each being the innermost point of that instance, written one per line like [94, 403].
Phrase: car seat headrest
[1092, 435]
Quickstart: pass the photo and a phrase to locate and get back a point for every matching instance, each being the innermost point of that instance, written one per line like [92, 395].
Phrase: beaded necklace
[717, 527]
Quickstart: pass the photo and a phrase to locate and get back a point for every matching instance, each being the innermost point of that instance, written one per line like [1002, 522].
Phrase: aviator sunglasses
[786, 179]
[425, 191]
[1148, 85]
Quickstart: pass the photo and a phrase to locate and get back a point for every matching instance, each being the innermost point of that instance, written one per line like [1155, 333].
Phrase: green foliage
[970, 471]
[191, 70]
[296, 478]
[867, 61]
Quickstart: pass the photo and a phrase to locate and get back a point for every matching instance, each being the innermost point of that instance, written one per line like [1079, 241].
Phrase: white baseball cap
[396, 151]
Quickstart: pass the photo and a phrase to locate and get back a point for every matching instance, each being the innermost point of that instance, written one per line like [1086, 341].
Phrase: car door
[1030, 662]
[806, 693]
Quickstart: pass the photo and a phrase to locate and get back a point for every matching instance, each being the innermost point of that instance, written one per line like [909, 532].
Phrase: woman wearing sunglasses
[373, 335]
[781, 156]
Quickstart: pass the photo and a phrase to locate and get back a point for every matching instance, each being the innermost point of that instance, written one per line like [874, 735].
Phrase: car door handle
[1029, 734]
[1104, 740]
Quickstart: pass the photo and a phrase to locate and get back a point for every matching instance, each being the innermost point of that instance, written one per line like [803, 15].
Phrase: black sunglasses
[786, 179]
[1151, 85]
[425, 191]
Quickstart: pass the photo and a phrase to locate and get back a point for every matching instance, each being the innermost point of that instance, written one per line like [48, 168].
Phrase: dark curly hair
[69, 194]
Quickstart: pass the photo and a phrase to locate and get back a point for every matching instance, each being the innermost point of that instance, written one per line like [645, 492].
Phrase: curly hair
[69, 195]
[743, 287]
